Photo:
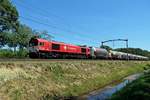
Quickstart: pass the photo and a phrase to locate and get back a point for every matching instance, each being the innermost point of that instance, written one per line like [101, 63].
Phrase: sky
[89, 22]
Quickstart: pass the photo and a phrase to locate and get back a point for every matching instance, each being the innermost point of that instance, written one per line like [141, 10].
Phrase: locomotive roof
[43, 40]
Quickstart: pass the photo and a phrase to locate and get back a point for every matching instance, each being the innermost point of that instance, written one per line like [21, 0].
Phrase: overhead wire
[52, 26]
[35, 21]
[44, 13]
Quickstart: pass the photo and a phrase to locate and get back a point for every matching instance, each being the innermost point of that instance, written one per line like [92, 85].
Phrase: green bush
[8, 53]
[22, 53]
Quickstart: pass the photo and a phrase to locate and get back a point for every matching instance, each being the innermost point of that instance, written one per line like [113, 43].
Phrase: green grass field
[26, 80]
[137, 90]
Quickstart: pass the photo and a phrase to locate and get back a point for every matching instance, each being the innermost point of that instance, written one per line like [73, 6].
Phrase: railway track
[53, 60]
[40, 60]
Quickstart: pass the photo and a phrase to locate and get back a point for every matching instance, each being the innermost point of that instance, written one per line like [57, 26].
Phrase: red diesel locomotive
[40, 48]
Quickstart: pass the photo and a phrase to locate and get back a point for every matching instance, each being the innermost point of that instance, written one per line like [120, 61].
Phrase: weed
[50, 80]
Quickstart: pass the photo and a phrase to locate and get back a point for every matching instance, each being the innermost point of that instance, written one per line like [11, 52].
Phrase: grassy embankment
[42, 80]
[137, 90]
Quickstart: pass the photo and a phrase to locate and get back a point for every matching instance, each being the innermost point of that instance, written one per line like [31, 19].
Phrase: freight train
[41, 48]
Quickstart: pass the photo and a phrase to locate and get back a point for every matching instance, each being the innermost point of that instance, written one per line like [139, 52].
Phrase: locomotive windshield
[33, 42]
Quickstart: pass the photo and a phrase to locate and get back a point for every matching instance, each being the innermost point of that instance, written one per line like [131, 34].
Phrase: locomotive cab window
[55, 46]
[33, 42]
[41, 43]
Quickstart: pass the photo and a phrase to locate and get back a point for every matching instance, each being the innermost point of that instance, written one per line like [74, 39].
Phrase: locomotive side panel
[65, 48]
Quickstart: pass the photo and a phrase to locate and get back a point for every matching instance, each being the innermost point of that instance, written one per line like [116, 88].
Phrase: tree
[8, 19]
[12, 40]
[24, 35]
[3, 38]
[20, 38]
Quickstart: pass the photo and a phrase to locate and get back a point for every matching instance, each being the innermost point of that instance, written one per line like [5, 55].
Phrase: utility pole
[127, 49]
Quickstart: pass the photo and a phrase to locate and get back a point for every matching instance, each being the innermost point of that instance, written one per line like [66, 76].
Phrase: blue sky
[89, 21]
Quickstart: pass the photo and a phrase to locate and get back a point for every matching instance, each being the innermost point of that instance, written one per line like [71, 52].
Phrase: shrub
[8, 53]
